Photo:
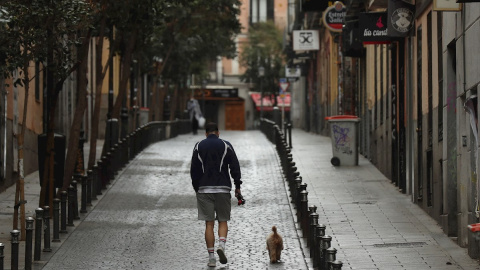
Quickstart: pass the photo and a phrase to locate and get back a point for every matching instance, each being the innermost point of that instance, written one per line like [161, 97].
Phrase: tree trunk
[20, 189]
[125, 75]
[100, 73]
[73, 141]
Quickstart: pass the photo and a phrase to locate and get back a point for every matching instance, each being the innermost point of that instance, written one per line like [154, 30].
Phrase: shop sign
[373, 28]
[352, 44]
[334, 16]
[305, 40]
[401, 18]
[293, 72]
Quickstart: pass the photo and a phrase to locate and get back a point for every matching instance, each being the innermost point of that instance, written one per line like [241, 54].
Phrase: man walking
[213, 162]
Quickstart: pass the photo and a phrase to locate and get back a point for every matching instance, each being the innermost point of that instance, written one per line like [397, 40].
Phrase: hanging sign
[334, 16]
[305, 40]
[373, 28]
[401, 18]
[352, 45]
[293, 72]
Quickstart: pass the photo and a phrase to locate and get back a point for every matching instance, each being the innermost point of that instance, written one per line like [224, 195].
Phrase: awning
[268, 102]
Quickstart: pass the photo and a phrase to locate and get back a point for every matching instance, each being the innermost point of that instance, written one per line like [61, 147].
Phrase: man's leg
[210, 241]
[222, 234]
[209, 234]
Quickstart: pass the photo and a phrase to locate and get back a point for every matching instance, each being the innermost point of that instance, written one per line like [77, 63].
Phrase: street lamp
[261, 73]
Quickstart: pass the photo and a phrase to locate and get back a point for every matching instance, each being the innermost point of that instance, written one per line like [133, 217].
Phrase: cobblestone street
[147, 218]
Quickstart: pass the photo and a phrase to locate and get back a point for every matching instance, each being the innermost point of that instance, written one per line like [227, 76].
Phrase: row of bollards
[322, 254]
[66, 208]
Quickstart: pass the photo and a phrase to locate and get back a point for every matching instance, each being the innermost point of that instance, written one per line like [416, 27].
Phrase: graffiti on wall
[342, 139]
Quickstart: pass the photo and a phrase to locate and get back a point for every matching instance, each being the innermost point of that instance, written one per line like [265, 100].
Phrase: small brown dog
[274, 245]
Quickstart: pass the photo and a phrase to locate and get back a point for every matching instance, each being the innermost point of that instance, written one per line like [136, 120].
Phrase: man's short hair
[211, 127]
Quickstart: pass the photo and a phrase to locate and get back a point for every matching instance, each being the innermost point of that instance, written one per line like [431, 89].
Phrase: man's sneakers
[212, 262]
[221, 255]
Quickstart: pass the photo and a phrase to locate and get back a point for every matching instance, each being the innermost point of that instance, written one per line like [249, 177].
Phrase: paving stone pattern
[372, 224]
[148, 218]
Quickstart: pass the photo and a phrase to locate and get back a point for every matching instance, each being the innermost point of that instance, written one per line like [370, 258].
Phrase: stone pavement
[147, 219]
[372, 224]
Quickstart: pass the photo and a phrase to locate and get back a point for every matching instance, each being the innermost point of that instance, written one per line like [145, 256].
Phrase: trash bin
[343, 131]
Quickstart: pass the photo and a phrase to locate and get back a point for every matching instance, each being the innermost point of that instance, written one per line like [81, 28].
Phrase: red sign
[334, 16]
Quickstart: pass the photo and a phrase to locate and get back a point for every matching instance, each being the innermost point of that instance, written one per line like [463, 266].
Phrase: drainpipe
[4, 137]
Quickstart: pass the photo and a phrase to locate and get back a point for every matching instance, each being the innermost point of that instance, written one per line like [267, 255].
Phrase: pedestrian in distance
[213, 163]
[196, 116]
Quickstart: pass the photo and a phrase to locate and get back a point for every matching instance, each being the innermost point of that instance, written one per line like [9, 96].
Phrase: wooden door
[235, 115]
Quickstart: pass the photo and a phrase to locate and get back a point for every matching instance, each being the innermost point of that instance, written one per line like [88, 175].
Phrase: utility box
[343, 132]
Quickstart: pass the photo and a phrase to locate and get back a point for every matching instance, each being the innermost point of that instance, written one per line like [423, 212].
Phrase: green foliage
[192, 33]
[33, 26]
[264, 48]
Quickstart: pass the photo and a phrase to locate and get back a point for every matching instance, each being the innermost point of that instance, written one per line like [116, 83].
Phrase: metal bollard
[63, 209]
[97, 180]
[311, 209]
[75, 199]
[83, 193]
[110, 173]
[304, 212]
[2, 256]
[296, 190]
[103, 171]
[46, 229]
[90, 188]
[337, 265]
[330, 257]
[71, 198]
[15, 244]
[313, 231]
[28, 243]
[38, 233]
[326, 243]
[320, 232]
[56, 220]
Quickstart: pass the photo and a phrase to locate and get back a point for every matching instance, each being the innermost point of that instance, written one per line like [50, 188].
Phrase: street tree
[194, 34]
[264, 49]
[44, 32]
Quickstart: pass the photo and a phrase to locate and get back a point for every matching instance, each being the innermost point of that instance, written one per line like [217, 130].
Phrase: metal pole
[2, 247]
[14, 262]
[28, 243]
[63, 209]
[83, 206]
[38, 233]
[46, 229]
[75, 200]
[56, 220]
[71, 197]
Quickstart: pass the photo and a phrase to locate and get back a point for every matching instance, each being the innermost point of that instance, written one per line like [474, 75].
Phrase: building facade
[416, 96]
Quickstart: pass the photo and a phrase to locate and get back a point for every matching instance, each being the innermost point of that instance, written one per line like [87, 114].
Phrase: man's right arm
[196, 171]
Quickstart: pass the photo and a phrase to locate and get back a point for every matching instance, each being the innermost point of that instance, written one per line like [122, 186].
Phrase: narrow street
[147, 218]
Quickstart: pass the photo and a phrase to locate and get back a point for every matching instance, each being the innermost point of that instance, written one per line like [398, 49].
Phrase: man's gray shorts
[210, 203]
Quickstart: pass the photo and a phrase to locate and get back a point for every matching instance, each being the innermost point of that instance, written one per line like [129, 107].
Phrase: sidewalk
[32, 196]
[372, 224]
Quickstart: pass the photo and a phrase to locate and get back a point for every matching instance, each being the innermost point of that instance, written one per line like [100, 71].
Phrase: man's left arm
[235, 168]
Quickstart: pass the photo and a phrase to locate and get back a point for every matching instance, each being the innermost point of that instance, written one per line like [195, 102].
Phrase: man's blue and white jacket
[213, 162]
